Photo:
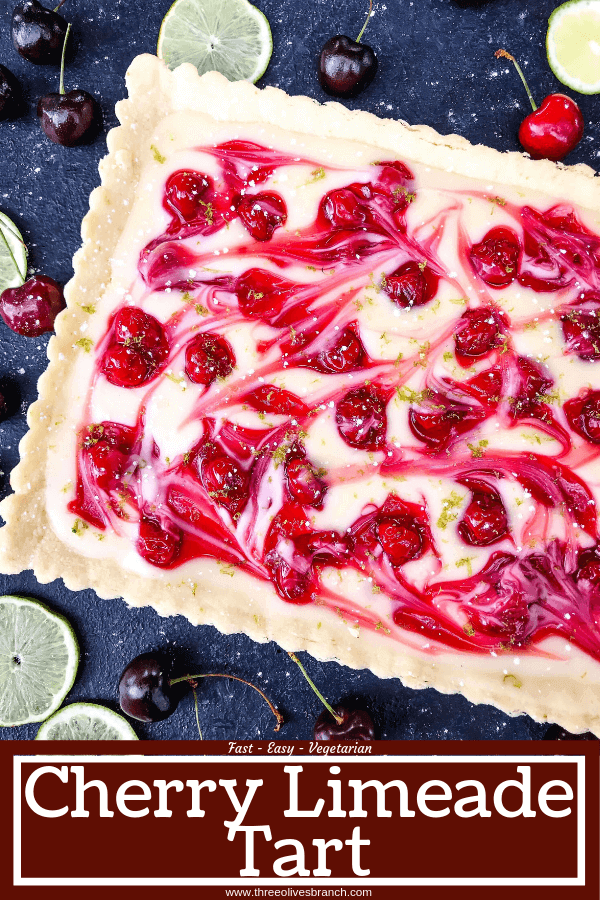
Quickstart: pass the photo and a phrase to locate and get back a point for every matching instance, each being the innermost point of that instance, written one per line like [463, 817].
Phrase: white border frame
[578, 881]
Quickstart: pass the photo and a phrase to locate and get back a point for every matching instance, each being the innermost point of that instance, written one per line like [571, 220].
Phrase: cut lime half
[38, 660]
[573, 45]
[13, 255]
[86, 722]
[227, 36]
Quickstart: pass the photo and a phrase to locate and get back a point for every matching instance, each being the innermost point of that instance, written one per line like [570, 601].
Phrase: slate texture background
[436, 65]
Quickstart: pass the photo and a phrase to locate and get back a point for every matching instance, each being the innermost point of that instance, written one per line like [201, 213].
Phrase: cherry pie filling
[212, 499]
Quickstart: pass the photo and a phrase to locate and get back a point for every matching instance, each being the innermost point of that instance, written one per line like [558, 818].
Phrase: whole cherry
[553, 129]
[148, 693]
[9, 93]
[346, 67]
[338, 722]
[31, 308]
[38, 33]
[67, 118]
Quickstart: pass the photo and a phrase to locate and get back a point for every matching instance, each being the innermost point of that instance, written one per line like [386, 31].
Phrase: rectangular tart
[332, 381]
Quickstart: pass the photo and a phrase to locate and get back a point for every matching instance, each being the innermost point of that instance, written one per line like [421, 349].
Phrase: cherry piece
[304, 484]
[531, 383]
[552, 130]
[484, 521]
[581, 328]
[208, 357]
[361, 418]
[346, 67]
[588, 568]
[496, 257]
[478, 332]
[139, 348]
[342, 209]
[67, 118]
[145, 692]
[261, 294]
[411, 285]
[261, 214]
[31, 308]
[583, 416]
[292, 585]
[346, 355]
[184, 191]
[38, 33]
[9, 93]
[400, 538]
[108, 447]
[157, 543]
[225, 482]
[270, 399]
[356, 725]
[441, 421]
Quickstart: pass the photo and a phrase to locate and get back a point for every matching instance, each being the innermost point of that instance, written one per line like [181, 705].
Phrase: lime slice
[13, 255]
[573, 45]
[86, 722]
[38, 660]
[227, 36]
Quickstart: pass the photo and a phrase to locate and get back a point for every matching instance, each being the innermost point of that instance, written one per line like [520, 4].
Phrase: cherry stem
[504, 55]
[194, 691]
[192, 678]
[62, 60]
[362, 30]
[56, 8]
[327, 705]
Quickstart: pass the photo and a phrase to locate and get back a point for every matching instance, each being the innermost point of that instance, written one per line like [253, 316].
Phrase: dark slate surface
[436, 66]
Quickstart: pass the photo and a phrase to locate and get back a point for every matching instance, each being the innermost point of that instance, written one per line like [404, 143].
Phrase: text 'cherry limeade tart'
[332, 381]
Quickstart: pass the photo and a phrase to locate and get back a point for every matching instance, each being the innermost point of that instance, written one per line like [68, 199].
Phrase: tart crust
[567, 692]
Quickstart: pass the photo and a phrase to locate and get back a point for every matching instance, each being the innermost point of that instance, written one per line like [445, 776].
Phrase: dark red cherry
[477, 333]
[484, 521]
[531, 383]
[68, 119]
[184, 191]
[581, 328]
[443, 422]
[342, 209]
[125, 367]
[291, 584]
[138, 350]
[38, 33]
[583, 416]
[31, 308]
[361, 418]
[588, 568]
[261, 294]
[108, 447]
[270, 399]
[556, 733]
[411, 285]
[304, 484]
[10, 93]
[346, 67]
[261, 214]
[400, 538]
[208, 357]
[346, 355]
[356, 725]
[158, 543]
[553, 129]
[487, 386]
[225, 482]
[496, 258]
[144, 689]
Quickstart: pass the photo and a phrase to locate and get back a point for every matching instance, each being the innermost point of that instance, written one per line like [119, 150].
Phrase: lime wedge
[86, 722]
[13, 255]
[227, 36]
[38, 660]
[573, 45]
